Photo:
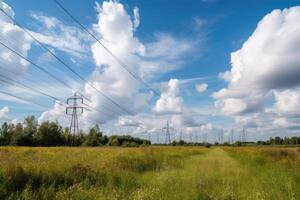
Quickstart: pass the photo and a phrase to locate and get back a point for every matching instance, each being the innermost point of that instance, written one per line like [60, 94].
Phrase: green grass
[166, 173]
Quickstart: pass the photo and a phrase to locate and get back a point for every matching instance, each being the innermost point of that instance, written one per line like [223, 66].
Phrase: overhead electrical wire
[59, 101]
[40, 68]
[22, 99]
[65, 64]
[36, 65]
[40, 105]
[120, 62]
[55, 98]
[14, 82]
[97, 110]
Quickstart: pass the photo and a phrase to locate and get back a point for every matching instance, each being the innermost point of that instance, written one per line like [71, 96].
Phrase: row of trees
[281, 141]
[272, 141]
[30, 133]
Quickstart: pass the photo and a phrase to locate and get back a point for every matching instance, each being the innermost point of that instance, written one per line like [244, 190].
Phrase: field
[166, 173]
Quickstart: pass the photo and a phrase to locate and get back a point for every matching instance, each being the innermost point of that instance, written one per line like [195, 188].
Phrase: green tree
[94, 137]
[18, 138]
[5, 135]
[49, 134]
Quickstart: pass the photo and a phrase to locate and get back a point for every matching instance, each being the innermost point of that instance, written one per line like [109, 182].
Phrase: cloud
[208, 1]
[4, 113]
[136, 21]
[169, 102]
[185, 120]
[287, 102]
[198, 22]
[201, 87]
[116, 30]
[162, 57]
[55, 114]
[14, 37]
[268, 61]
[53, 32]
[129, 122]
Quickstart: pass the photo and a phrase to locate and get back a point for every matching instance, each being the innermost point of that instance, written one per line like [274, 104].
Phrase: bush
[207, 145]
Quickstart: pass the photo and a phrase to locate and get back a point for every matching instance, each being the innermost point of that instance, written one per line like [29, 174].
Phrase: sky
[209, 67]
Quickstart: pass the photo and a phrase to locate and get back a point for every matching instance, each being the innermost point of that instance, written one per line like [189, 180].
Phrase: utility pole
[74, 105]
[168, 135]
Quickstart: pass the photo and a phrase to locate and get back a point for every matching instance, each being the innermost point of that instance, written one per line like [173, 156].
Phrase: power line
[97, 110]
[14, 82]
[18, 84]
[40, 105]
[66, 65]
[36, 65]
[23, 99]
[121, 63]
[57, 101]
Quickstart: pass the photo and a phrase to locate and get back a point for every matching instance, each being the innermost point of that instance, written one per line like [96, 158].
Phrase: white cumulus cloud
[13, 36]
[4, 113]
[201, 87]
[170, 102]
[116, 29]
[268, 60]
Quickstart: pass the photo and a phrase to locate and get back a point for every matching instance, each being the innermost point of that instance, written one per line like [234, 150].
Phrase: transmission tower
[180, 135]
[221, 136]
[158, 134]
[74, 105]
[232, 136]
[204, 137]
[168, 135]
[196, 137]
[244, 136]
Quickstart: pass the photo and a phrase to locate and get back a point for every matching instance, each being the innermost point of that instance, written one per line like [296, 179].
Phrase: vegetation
[167, 173]
[281, 141]
[52, 134]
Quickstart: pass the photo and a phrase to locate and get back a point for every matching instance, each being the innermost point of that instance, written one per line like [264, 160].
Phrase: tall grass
[150, 173]
[276, 170]
[83, 173]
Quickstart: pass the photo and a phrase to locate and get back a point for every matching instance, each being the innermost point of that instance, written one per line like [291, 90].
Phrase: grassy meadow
[166, 173]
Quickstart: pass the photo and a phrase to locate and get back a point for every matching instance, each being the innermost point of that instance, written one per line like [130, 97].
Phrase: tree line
[281, 141]
[30, 133]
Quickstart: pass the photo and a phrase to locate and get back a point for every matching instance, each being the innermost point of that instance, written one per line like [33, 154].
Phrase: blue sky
[175, 47]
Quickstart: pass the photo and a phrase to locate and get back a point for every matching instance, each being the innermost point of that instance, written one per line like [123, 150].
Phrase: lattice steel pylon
[244, 136]
[74, 104]
[168, 135]
[180, 135]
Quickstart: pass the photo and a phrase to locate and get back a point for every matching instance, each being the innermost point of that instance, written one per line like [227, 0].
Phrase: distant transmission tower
[221, 136]
[74, 103]
[204, 137]
[168, 134]
[196, 137]
[158, 140]
[232, 136]
[180, 135]
[244, 136]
